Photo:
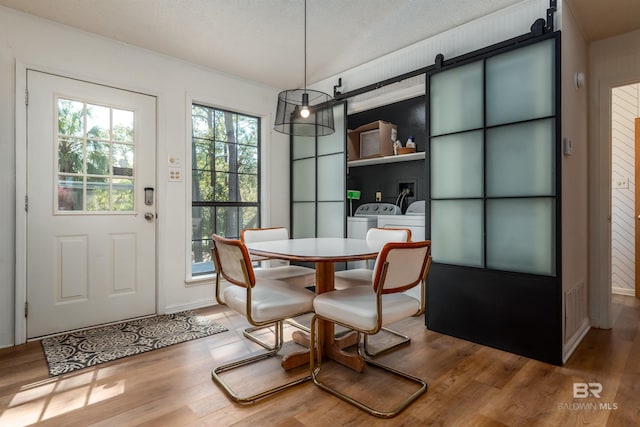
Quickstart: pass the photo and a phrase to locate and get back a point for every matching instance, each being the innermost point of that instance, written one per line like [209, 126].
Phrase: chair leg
[215, 373]
[404, 340]
[315, 371]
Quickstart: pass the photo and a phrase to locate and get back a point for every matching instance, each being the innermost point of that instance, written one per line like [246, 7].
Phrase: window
[95, 162]
[225, 154]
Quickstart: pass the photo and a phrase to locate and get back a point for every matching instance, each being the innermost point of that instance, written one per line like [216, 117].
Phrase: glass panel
[224, 153]
[521, 235]
[456, 99]
[122, 194]
[521, 159]
[70, 193]
[331, 217]
[122, 159]
[304, 180]
[227, 222]
[98, 122]
[247, 159]
[456, 232]
[457, 165]
[70, 117]
[98, 158]
[304, 220]
[248, 188]
[201, 222]
[521, 84]
[247, 130]
[201, 257]
[70, 155]
[97, 194]
[122, 125]
[303, 147]
[202, 190]
[331, 177]
[250, 217]
[201, 122]
[226, 187]
[202, 154]
[219, 126]
[335, 142]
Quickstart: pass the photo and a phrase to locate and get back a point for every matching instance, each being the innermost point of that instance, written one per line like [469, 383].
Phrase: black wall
[409, 116]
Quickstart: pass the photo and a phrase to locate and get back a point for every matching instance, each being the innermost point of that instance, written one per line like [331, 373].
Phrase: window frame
[209, 272]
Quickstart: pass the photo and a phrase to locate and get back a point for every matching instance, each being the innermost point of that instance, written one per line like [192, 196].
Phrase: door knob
[149, 216]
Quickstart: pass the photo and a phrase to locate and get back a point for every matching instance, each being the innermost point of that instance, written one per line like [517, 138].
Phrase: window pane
[303, 147]
[70, 117]
[201, 122]
[122, 159]
[97, 194]
[457, 165]
[122, 125]
[70, 193]
[122, 194]
[457, 232]
[226, 187]
[456, 99]
[70, 155]
[521, 159]
[332, 176]
[250, 217]
[521, 235]
[304, 180]
[227, 222]
[201, 257]
[331, 217]
[202, 188]
[98, 122]
[248, 186]
[247, 159]
[521, 84]
[304, 220]
[98, 158]
[247, 130]
[225, 154]
[203, 154]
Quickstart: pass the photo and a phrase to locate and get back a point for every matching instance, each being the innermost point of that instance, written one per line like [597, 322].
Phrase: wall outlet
[621, 183]
[378, 196]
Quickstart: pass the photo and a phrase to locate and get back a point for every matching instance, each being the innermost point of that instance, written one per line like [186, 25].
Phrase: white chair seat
[357, 307]
[293, 274]
[270, 301]
[356, 277]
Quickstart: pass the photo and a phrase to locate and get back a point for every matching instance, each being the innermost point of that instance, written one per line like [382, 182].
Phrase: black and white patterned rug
[90, 347]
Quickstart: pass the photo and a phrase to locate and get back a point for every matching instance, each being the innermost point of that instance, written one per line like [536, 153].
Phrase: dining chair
[365, 309]
[261, 301]
[363, 276]
[294, 274]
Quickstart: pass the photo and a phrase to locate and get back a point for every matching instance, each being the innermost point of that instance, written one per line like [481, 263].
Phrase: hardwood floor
[469, 384]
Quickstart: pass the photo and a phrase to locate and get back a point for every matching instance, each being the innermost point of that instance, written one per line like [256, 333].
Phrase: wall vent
[575, 310]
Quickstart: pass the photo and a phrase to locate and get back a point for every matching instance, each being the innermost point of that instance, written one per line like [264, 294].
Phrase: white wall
[48, 46]
[612, 62]
[574, 185]
[625, 107]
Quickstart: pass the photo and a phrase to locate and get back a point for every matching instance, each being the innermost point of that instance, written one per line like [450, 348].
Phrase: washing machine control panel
[375, 209]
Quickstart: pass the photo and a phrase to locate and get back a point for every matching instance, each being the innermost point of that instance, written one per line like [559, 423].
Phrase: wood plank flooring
[469, 384]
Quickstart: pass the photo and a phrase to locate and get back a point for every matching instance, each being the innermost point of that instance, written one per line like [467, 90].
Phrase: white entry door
[91, 245]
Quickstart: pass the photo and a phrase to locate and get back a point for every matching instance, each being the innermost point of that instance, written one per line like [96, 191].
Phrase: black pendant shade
[290, 121]
[304, 112]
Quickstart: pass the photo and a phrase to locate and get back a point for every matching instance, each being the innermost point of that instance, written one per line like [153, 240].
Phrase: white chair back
[232, 261]
[385, 235]
[252, 235]
[406, 266]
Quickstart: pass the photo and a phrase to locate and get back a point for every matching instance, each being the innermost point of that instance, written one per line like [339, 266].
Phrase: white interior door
[91, 251]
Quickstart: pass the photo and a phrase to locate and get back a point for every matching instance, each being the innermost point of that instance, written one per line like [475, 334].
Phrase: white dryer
[364, 218]
[413, 219]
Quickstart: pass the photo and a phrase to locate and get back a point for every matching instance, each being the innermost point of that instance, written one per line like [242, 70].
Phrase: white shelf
[388, 159]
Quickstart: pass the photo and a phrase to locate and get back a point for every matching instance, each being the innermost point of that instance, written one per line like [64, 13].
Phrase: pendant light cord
[305, 45]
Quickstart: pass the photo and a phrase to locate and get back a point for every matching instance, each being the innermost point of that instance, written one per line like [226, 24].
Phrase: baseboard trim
[207, 302]
[623, 291]
[572, 344]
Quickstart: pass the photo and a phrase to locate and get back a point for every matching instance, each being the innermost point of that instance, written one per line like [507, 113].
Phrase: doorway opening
[625, 200]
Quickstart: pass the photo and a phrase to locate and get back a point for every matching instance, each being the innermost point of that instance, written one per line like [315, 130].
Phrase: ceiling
[262, 40]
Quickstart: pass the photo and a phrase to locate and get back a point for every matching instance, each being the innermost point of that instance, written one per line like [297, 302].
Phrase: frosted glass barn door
[493, 162]
[318, 182]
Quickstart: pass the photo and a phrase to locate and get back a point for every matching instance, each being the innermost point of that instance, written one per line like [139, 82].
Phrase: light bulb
[304, 112]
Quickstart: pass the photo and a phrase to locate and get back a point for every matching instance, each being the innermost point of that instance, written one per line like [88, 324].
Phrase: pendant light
[304, 112]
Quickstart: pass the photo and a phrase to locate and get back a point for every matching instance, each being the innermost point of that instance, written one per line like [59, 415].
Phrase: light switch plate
[621, 183]
[175, 174]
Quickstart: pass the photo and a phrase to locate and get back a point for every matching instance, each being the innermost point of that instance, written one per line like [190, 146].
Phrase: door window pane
[521, 84]
[457, 166]
[457, 232]
[91, 160]
[304, 180]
